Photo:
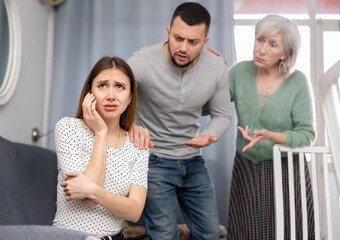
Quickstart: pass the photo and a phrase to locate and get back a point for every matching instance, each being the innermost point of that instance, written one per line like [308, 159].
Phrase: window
[331, 48]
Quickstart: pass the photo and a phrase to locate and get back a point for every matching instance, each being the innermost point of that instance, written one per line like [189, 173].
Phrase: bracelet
[283, 138]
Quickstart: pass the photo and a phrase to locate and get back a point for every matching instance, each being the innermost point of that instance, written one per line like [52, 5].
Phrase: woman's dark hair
[128, 116]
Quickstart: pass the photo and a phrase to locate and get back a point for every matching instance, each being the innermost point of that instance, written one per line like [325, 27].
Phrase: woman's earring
[282, 67]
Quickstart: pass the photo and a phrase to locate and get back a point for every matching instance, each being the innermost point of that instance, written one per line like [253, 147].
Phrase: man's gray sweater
[170, 102]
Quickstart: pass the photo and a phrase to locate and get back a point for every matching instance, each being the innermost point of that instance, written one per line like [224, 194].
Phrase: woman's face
[268, 51]
[111, 88]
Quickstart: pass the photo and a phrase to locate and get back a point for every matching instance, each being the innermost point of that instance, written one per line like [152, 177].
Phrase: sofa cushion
[28, 180]
[38, 232]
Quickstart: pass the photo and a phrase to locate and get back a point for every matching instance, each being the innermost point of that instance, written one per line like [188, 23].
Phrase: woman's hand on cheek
[245, 132]
[91, 116]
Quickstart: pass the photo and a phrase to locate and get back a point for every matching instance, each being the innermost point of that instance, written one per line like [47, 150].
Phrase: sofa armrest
[39, 232]
[28, 183]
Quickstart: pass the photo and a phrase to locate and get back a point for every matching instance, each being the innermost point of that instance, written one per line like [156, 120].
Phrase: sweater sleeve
[303, 132]
[219, 106]
[231, 82]
[231, 77]
[136, 62]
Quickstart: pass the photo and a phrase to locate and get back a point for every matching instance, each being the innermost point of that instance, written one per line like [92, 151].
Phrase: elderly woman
[274, 105]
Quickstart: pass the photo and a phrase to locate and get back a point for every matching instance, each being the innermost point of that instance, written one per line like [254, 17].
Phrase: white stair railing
[329, 90]
[316, 153]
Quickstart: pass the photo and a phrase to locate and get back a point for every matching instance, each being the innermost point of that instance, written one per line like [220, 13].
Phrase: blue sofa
[28, 180]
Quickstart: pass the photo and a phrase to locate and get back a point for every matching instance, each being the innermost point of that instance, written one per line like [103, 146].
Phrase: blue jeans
[188, 180]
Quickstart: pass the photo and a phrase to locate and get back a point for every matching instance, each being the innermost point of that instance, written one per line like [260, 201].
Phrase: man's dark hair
[192, 13]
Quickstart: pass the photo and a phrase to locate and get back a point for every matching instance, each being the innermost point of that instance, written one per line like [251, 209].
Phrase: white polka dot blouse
[124, 166]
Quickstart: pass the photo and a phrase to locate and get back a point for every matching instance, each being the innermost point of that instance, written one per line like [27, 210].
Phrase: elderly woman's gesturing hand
[258, 136]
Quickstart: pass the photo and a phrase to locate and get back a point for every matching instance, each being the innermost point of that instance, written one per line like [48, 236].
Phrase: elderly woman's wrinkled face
[268, 51]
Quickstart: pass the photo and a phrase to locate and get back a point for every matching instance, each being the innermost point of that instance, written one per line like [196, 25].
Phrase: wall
[26, 108]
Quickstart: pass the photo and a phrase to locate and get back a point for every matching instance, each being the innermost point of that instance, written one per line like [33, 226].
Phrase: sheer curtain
[86, 30]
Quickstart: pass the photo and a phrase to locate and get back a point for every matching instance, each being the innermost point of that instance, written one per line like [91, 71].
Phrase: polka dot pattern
[124, 166]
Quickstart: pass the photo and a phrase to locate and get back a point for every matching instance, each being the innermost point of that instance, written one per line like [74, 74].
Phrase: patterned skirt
[252, 204]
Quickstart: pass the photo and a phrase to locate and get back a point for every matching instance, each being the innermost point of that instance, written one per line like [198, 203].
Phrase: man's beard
[174, 61]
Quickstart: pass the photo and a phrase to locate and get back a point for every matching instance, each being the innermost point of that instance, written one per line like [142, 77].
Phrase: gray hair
[274, 24]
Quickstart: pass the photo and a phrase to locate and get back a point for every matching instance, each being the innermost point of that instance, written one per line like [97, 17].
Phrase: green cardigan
[288, 110]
